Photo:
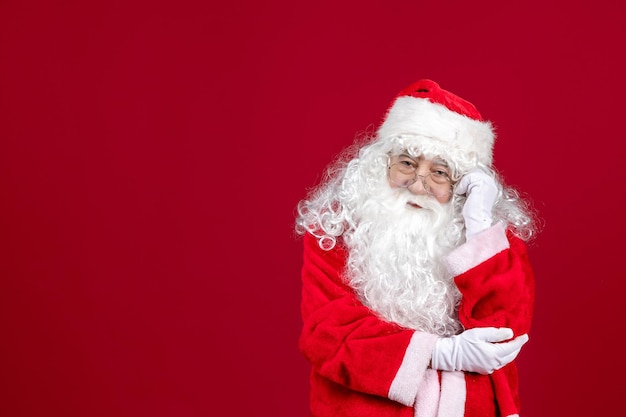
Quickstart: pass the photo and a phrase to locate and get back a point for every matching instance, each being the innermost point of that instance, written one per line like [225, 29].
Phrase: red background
[152, 154]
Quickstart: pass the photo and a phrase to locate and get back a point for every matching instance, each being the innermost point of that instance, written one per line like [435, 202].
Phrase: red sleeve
[497, 284]
[346, 343]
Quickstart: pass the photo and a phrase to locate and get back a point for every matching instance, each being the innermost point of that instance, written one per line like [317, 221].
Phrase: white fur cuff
[482, 247]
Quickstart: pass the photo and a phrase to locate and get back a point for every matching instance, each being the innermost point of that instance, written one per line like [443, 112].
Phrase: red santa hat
[440, 121]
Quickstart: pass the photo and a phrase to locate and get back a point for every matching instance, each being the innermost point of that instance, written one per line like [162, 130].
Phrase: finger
[472, 180]
[510, 350]
[505, 360]
[495, 334]
[461, 186]
[520, 340]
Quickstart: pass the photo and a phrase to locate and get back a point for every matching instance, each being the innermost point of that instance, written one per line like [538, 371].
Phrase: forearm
[348, 344]
[353, 348]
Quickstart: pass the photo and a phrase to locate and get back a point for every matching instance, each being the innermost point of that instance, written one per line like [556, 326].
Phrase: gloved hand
[476, 350]
[481, 192]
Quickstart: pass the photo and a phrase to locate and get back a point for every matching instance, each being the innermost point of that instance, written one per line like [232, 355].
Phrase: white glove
[476, 350]
[481, 192]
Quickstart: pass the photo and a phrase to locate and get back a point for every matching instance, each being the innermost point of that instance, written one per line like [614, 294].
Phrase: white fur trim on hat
[459, 135]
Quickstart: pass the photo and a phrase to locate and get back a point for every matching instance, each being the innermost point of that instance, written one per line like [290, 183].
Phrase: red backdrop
[152, 154]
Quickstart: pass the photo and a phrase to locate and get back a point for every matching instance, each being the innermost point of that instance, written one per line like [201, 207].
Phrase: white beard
[395, 262]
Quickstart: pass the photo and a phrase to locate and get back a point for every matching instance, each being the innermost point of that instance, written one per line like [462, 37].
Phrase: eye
[407, 162]
[441, 174]
[404, 165]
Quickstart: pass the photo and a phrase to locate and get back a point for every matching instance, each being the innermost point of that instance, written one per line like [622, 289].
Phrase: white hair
[354, 202]
[328, 210]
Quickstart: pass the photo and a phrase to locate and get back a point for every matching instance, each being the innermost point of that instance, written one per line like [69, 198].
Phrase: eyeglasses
[403, 172]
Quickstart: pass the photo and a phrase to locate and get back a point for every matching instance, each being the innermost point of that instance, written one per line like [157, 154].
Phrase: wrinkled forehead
[418, 156]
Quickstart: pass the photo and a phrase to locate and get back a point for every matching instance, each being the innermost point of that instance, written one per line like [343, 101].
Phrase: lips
[414, 205]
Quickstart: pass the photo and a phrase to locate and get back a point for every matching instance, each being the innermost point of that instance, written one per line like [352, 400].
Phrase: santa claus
[417, 290]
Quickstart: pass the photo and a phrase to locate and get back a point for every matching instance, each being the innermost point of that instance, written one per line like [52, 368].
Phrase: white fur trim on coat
[483, 246]
[453, 394]
[410, 376]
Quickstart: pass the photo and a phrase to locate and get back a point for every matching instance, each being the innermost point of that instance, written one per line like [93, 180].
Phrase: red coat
[363, 366]
[498, 291]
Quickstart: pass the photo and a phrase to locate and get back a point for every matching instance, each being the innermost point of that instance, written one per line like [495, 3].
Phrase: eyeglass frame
[437, 161]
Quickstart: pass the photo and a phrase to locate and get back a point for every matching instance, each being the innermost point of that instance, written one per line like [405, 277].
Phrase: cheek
[392, 184]
[444, 199]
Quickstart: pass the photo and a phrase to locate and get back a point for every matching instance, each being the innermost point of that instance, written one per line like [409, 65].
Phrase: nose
[418, 186]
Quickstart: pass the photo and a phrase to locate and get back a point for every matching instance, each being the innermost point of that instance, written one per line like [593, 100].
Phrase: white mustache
[424, 201]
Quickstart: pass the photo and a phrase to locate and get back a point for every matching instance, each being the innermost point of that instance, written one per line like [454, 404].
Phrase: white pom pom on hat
[440, 120]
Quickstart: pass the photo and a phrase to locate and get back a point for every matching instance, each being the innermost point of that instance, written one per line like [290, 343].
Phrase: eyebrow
[435, 161]
[442, 162]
